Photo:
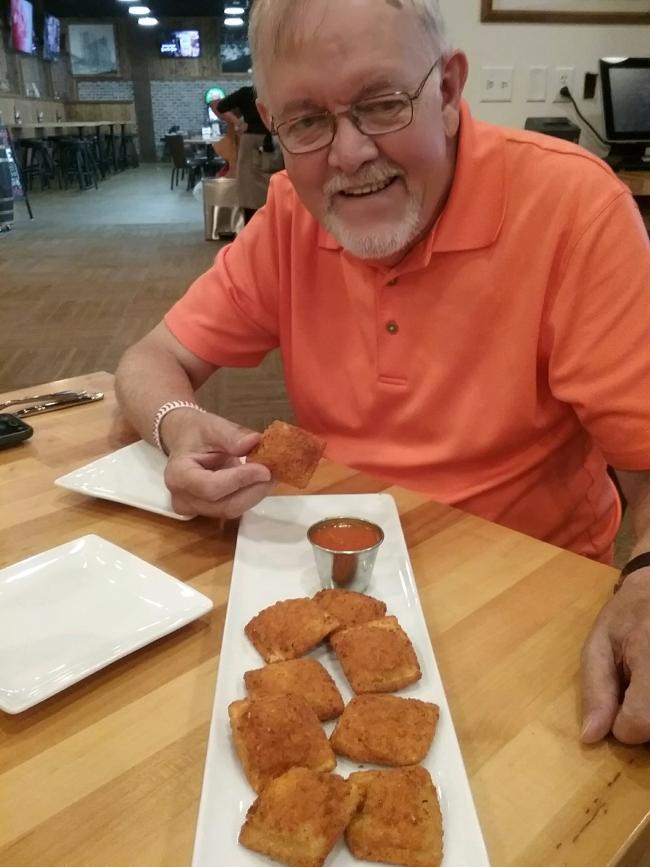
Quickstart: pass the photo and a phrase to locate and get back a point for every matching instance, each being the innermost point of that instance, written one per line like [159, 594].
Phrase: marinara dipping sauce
[345, 534]
[345, 550]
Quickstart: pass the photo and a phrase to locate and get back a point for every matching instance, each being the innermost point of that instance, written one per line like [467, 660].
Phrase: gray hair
[273, 30]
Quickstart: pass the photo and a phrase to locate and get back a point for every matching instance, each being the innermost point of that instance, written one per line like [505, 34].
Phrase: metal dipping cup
[341, 568]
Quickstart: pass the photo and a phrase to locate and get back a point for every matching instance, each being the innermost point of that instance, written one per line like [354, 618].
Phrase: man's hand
[204, 473]
[616, 666]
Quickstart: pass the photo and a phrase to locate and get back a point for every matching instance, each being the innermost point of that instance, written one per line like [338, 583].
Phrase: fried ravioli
[274, 734]
[350, 608]
[291, 453]
[385, 730]
[305, 677]
[289, 629]
[299, 817]
[377, 656]
[400, 820]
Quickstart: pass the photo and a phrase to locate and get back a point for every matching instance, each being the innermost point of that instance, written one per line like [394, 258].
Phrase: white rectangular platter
[274, 561]
[70, 611]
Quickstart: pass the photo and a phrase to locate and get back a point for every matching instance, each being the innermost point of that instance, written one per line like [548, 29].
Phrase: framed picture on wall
[92, 49]
[567, 11]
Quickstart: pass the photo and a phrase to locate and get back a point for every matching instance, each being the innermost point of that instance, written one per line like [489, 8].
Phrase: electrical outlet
[496, 84]
[564, 76]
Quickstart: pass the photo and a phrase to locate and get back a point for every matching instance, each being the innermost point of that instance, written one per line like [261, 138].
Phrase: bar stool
[37, 162]
[78, 161]
[128, 157]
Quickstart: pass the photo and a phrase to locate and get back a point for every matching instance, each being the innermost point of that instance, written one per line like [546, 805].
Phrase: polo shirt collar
[476, 205]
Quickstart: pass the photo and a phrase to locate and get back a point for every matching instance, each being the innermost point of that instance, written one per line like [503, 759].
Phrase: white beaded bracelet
[170, 406]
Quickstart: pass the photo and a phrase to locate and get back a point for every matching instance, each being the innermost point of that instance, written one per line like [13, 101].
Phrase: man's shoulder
[550, 161]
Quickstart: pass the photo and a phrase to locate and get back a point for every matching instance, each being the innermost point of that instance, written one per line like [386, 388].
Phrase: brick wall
[97, 91]
[180, 103]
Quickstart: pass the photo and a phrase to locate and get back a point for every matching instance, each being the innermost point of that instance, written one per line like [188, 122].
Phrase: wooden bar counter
[109, 772]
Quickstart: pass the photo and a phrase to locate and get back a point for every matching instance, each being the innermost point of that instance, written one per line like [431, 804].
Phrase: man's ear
[265, 114]
[452, 82]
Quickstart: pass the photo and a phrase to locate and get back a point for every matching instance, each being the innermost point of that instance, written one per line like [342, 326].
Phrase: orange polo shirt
[499, 367]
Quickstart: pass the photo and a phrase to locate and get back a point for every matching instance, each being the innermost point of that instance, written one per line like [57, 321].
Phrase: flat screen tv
[22, 26]
[181, 43]
[51, 38]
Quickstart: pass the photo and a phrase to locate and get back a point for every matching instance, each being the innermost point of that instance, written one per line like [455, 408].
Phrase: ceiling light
[127, 1]
[147, 22]
[234, 22]
[139, 10]
[229, 10]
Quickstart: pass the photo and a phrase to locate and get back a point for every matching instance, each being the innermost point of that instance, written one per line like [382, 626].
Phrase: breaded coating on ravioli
[291, 453]
[299, 817]
[385, 730]
[377, 656]
[349, 607]
[305, 677]
[400, 820]
[289, 629]
[274, 734]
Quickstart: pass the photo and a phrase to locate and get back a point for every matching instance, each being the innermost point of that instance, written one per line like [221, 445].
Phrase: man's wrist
[641, 561]
[171, 412]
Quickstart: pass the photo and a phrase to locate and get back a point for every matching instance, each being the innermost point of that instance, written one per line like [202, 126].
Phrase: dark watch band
[641, 561]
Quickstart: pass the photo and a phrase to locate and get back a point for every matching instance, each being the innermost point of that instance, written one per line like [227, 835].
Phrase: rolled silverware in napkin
[59, 403]
[55, 395]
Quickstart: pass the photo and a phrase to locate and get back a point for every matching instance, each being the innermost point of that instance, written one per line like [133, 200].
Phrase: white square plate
[133, 475]
[274, 561]
[72, 610]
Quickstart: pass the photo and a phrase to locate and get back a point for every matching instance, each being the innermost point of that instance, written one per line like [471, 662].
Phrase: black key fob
[13, 431]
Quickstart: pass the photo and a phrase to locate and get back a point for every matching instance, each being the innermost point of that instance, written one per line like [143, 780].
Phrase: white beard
[380, 242]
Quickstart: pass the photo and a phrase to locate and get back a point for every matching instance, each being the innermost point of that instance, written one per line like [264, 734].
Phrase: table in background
[109, 772]
[639, 184]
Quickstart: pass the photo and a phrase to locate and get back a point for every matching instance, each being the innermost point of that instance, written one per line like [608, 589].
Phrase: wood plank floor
[94, 271]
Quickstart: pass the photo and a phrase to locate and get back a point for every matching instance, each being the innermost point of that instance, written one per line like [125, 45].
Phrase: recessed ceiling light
[147, 22]
[234, 22]
[139, 10]
[229, 10]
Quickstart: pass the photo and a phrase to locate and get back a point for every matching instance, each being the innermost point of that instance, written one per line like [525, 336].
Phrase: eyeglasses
[389, 112]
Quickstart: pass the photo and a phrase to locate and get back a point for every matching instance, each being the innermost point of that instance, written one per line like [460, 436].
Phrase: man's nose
[350, 148]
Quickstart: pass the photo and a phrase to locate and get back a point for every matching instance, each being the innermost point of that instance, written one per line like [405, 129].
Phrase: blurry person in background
[258, 157]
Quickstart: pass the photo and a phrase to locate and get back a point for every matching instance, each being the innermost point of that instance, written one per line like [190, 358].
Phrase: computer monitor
[626, 106]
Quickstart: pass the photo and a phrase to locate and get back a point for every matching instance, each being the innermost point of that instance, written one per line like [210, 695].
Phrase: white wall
[551, 45]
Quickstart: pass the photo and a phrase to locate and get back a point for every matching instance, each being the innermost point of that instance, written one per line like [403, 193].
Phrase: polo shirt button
[392, 327]
[393, 282]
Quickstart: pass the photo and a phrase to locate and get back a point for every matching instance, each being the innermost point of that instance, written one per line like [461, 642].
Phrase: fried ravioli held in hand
[400, 820]
[385, 730]
[290, 453]
[299, 817]
[304, 677]
[377, 656]
[289, 629]
[272, 735]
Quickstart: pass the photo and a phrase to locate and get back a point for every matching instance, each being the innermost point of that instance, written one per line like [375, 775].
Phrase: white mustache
[373, 174]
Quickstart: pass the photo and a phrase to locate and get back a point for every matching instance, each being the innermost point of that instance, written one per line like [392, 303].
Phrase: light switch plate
[496, 84]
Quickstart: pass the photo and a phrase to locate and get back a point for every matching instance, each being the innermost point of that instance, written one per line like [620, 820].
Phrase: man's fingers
[187, 479]
[632, 724]
[229, 507]
[232, 438]
[600, 687]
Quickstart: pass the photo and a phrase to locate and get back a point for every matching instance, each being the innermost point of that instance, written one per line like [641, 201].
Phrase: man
[461, 309]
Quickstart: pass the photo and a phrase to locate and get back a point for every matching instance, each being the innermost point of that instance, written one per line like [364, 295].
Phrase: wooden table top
[638, 182]
[109, 772]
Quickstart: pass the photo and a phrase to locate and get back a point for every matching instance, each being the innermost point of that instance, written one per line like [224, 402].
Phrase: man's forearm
[636, 487]
[146, 378]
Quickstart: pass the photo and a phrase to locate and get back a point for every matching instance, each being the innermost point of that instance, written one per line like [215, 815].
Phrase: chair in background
[184, 161]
